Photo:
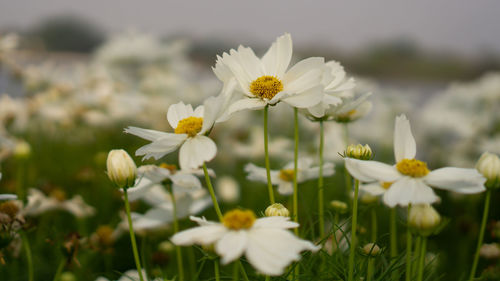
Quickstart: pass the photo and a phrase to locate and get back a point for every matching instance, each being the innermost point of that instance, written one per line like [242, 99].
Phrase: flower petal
[368, 171]
[275, 222]
[305, 99]
[8, 197]
[285, 188]
[204, 235]
[456, 179]
[301, 72]
[231, 246]
[162, 146]
[409, 190]
[374, 189]
[404, 143]
[246, 103]
[150, 135]
[256, 173]
[277, 58]
[196, 151]
[177, 112]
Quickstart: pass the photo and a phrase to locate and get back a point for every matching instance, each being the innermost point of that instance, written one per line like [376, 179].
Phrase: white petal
[231, 246]
[196, 151]
[150, 135]
[275, 222]
[222, 71]
[212, 111]
[368, 171]
[256, 173]
[285, 187]
[409, 190]
[8, 197]
[162, 146]
[404, 143]
[456, 179]
[204, 235]
[304, 67]
[246, 103]
[373, 188]
[177, 112]
[277, 58]
[185, 182]
[305, 99]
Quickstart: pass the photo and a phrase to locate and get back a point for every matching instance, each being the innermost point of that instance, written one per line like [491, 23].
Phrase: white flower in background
[267, 243]
[190, 129]
[39, 203]
[7, 196]
[8, 42]
[410, 179]
[269, 80]
[227, 189]
[351, 109]
[284, 178]
[129, 275]
[254, 147]
[335, 86]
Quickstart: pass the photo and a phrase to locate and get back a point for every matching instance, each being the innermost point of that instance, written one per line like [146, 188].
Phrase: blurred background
[73, 74]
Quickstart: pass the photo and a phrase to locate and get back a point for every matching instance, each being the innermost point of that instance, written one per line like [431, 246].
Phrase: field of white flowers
[138, 163]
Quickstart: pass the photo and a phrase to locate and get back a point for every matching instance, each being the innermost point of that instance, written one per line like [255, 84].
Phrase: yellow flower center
[171, 167]
[286, 174]
[385, 184]
[412, 167]
[105, 235]
[191, 126]
[266, 87]
[9, 208]
[58, 194]
[239, 219]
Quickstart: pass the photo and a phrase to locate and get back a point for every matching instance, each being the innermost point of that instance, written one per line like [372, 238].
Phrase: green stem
[371, 260]
[178, 250]
[212, 192]
[394, 241]
[320, 181]
[236, 272]
[295, 169]
[421, 262]
[268, 278]
[243, 272]
[353, 230]
[59, 270]
[21, 192]
[481, 234]
[132, 235]
[418, 243]
[216, 270]
[266, 152]
[408, 249]
[29, 256]
[347, 176]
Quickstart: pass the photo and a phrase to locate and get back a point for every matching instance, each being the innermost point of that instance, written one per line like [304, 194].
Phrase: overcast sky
[463, 26]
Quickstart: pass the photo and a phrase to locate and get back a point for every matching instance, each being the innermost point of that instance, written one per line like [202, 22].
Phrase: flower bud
[166, 247]
[121, 168]
[424, 219]
[339, 206]
[490, 251]
[359, 152]
[371, 249]
[22, 150]
[489, 166]
[67, 276]
[277, 210]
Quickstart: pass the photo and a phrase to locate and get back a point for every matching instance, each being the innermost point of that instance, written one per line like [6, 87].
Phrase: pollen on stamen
[286, 174]
[190, 126]
[413, 168]
[266, 87]
[239, 219]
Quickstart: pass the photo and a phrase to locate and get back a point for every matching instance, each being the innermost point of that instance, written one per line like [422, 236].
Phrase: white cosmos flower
[39, 203]
[410, 179]
[269, 80]
[267, 243]
[350, 109]
[284, 178]
[336, 85]
[129, 275]
[190, 129]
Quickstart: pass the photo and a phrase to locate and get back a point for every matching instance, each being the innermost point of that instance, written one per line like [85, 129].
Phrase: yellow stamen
[286, 174]
[385, 184]
[191, 126]
[412, 167]
[171, 167]
[9, 208]
[105, 235]
[239, 219]
[266, 87]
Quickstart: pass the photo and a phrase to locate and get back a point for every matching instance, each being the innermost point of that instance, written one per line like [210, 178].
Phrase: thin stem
[371, 260]
[393, 237]
[59, 270]
[421, 262]
[216, 270]
[320, 181]
[132, 235]
[408, 249]
[243, 272]
[295, 169]
[236, 272]
[418, 243]
[353, 230]
[178, 250]
[268, 278]
[347, 176]
[29, 256]
[212, 192]
[481, 234]
[266, 152]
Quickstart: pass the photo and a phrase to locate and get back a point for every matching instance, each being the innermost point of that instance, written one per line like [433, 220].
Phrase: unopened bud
[277, 210]
[22, 150]
[67, 276]
[489, 166]
[490, 251]
[371, 249]
[359, 151]
[166, 247]
[339, 206]
[424, 219]
[121, 168]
